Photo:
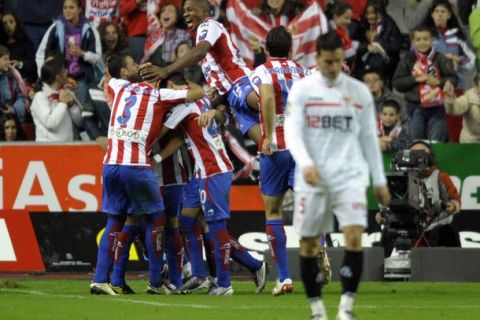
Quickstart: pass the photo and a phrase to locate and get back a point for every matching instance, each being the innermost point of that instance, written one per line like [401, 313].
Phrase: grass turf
[70, 299]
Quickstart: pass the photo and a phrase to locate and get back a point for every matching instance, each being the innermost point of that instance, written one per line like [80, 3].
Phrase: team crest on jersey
[347, 100]
[203, 35]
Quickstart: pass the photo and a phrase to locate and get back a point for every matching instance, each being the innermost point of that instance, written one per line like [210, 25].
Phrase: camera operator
[442, 202]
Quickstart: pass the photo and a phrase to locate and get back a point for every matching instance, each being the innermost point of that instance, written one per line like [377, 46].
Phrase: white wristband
[158, 158]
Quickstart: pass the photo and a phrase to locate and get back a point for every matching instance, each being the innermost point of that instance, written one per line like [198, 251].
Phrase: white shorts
[313, 210]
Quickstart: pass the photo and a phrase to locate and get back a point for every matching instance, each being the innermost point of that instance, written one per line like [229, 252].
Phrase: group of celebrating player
[164, 107]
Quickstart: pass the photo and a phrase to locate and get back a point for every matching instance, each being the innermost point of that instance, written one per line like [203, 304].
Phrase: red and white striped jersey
[223, 64]
[173, 170]
[136, 120]
[280, 73]
[205, 144]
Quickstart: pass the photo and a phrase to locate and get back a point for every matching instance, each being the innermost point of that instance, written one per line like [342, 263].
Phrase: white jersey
[331, 124]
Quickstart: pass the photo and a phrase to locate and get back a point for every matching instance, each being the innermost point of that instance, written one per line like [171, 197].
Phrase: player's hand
[380, 218]
[267, 142]
[311, 175]
[103, 142]
[451, 207]
[149, 72]
[383, 195]
[205, 119]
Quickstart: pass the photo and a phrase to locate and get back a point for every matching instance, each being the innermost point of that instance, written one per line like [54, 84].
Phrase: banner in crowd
[305, 29]
[98, 11]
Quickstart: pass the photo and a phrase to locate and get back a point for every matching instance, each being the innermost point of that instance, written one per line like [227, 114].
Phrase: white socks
[317, 306]
[346, 302]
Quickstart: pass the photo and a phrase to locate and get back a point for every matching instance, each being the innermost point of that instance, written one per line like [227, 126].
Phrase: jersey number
[129, 103]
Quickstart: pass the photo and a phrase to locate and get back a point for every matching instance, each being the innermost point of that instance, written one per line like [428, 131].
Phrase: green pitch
[70, 300]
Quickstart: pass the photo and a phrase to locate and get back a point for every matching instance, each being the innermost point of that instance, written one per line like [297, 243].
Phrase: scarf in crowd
[343, 34]
[430, 96]
[392, 132]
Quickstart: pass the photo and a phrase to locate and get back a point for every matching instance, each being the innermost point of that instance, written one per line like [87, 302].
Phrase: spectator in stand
[53, 108]
[173, 27]
[72, 36]
[10, 129]
[194, 72]
[340, 16]
[380, 39]
[36, 16]
[467, 106]
[450, 39]
[22, 54]
[112, 39]
[11, 95]
[374, 79]
[275, 13]
[421, 74]
[415, 12]
[474, 29]
[134, 14]
[279, 12]
[391, 134]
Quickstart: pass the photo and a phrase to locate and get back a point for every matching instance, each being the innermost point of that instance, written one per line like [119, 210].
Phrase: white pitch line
[203, 306]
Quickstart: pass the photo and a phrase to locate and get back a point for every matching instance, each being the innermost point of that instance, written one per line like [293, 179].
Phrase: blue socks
[242, 257]
[106, 248]
[277, 240]
[122, 251]
[194, 244]
[221, 242]
[174, 256]
[154, 240]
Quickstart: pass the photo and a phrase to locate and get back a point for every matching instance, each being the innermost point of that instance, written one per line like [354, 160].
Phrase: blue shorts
[276, 173]
[237, 98]
[172, 198]
[215, 196]
[131, 190]
[191, 194]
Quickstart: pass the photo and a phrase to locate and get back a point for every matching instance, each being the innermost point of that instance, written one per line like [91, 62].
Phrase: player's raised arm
[150, 72]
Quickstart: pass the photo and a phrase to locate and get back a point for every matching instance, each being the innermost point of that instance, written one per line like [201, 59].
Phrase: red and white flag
[305, 29]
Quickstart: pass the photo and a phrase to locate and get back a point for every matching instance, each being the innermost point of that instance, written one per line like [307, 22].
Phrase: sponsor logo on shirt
[338, 122]
[127, 134]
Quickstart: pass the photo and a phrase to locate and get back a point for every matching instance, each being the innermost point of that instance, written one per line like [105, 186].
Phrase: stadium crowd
[85, 32]
[65, 65]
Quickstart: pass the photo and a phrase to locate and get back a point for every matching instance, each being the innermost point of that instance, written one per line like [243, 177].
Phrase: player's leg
[349, 206]
[106, 251]
[154, 240]
[258, 268]
[311, 218]
[274, 182]
[130, 230]
[209, 247]
[214, 196]
[172, 196]
[114, 202]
